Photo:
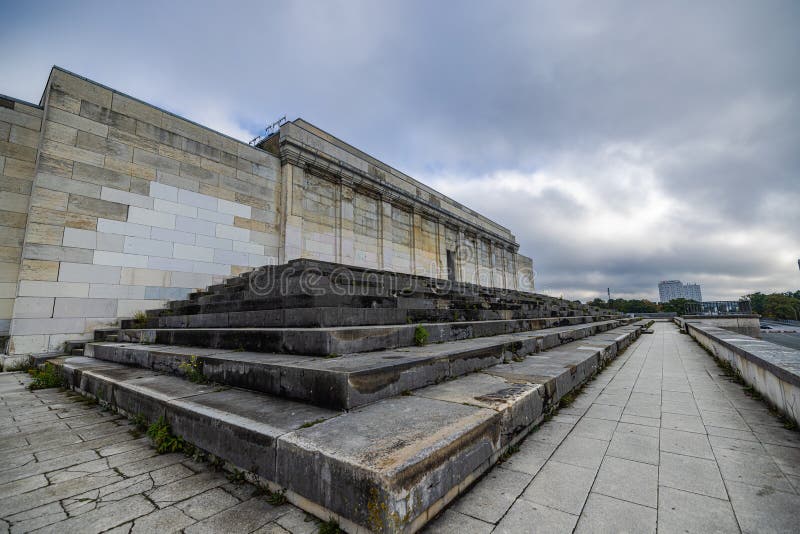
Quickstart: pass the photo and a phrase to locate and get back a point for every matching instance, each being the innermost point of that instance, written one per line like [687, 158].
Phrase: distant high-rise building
[692, 292]
[675, 289]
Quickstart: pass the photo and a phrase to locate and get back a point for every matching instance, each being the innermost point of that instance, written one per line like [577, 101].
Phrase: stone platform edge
[99, 381]
[772, 370]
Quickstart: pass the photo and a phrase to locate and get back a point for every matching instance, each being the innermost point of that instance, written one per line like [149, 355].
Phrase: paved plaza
[660, 440]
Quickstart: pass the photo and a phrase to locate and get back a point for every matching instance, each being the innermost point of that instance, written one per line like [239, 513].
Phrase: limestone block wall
[130, 207]
[109, 206]
[20, 129]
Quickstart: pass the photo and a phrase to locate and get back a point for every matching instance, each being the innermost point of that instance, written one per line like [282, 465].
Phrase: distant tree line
[784, 305]
[775, 305]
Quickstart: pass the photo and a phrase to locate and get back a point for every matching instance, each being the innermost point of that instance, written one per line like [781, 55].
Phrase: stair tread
[404, 455]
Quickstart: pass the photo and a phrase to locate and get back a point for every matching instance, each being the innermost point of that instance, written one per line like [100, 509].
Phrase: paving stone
[687, 443]
[297, 521]
[632, 444]
[691, 474]
[166, 520]
[687, 423]
[103, 518]
[207, 503]
[631, 481]
[581, 451]
[36, 518]
[606, 514]
[588, 427]
[493, 495]
[754, 469]
[561, 486]
[245, 517]
[787, 458]
[525, 516]
[720, 442]
[603, 411]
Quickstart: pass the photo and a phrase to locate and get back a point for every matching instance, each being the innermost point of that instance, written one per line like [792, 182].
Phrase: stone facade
[109, 206]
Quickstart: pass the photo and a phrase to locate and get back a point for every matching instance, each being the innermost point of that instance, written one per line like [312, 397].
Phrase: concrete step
[386, 467]
[330, 340]
[350, 380]
[331, 316]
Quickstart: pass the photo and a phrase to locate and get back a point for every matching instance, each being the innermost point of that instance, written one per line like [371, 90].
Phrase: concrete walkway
[66, 466]
[660, 441]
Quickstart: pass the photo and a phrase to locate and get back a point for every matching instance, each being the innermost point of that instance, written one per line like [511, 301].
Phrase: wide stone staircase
[371, 397]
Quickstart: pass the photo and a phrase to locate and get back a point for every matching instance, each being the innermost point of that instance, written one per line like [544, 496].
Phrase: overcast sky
[622, 142]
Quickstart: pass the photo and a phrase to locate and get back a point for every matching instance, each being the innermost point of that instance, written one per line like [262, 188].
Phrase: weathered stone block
[84, 307]
[98, 208]
[56, 253]
[98, 274]
[45, 234]
[39, 270]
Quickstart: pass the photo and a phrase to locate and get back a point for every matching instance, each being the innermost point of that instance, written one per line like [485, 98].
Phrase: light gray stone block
[148, 247]
[75, 237]
[33, 288]
[232, 232]
[169, 264]
[110, 242]
[233, 208]
[21, 327]
[78, 307]
[191, 252]
[175, 208]
[115, 291]
[213, 242]
[211, 268]
[229, 257]
[98, 274]
[123, 228]
[249, 248]
[33, 307]
[162, 234]
[193, 280]
[144, 216]
[215, 216]
[197, 200]
[197, 226]
[163, 191]
[119, 259]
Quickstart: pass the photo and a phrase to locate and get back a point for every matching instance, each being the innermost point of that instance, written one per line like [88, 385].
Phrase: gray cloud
[622, 142]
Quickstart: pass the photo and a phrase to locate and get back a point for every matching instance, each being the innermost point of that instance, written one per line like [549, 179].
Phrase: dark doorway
[451, 266]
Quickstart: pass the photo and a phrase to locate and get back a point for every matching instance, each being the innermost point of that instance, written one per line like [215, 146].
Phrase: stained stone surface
[71, 467]
[661, 441]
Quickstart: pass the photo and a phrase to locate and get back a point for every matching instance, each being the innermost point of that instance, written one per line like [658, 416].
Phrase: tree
[679, 306]
[781, 306]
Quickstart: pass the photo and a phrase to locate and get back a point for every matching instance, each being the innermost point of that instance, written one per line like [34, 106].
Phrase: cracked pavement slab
[71, 466]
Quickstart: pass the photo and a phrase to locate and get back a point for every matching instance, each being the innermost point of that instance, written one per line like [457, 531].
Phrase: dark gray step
[329, 340]
[337, 316]
[351, 380]
[386, 467]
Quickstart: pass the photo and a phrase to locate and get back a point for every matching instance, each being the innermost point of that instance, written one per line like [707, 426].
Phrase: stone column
[292, 212]
[347, 237]
[387, 250]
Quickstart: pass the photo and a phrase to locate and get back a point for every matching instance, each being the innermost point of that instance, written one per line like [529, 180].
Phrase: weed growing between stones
[508, 453]
[236, 477]
[276, 498]
[194, 370]
[420, 337]
[309, 424]
[163, 439]
[139, 319]
[48, 376]
[331, 526]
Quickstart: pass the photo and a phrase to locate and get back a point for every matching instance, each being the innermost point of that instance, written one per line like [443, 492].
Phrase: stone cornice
[319, 163]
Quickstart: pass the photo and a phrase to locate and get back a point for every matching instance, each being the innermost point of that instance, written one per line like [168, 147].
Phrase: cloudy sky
[622, 142]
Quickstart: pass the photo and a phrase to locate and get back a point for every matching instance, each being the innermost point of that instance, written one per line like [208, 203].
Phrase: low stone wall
[746, 324]
[773, 370]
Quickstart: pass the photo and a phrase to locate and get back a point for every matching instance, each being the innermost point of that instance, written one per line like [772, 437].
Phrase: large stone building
[109, 205]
